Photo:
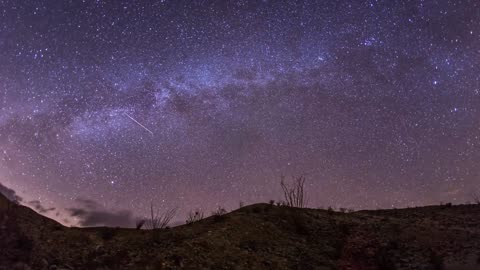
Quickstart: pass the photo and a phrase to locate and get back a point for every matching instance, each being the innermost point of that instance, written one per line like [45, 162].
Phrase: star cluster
[204, 103]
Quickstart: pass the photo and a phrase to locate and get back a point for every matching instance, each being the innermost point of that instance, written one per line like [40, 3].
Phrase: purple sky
[106, 106]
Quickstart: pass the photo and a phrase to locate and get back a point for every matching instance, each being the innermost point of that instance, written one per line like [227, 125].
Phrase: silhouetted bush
[219, 214]
[158, 220]
[294, 193]
[194, 216]
[139, 224]
[476, 198]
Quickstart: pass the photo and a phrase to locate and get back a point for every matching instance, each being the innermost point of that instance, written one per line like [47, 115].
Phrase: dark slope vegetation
[258, 236]
[21, 229]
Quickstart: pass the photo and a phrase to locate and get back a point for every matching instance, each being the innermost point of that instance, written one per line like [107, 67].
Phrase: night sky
[106, 106]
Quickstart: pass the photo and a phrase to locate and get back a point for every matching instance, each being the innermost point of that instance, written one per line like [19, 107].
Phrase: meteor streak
[138, 123]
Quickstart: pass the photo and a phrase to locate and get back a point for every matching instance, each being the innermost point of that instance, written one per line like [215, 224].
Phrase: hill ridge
[258, 236]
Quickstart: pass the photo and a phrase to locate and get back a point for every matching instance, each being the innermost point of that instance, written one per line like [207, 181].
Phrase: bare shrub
[159, 220]
[219, 214]
[476, 198]
[294, 193]
[139, 224]
[194, 216]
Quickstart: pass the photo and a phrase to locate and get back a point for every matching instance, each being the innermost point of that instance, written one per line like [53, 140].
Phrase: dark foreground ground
[260, 236]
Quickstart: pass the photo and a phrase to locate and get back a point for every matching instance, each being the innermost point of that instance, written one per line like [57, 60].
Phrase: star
[122, 104]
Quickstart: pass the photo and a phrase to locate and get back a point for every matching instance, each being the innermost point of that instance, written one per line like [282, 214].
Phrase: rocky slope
[260, 236]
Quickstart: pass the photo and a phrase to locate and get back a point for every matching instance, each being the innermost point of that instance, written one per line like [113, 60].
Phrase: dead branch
[294, 193]
[159, 220]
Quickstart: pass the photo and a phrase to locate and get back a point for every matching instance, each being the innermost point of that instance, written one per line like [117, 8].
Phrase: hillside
[259, 236]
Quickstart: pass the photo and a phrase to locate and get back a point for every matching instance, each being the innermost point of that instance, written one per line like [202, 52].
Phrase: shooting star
[138, 123]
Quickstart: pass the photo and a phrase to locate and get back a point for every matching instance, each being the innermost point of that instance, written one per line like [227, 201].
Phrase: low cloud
[10, 194]
[90, 213]
[37, 205]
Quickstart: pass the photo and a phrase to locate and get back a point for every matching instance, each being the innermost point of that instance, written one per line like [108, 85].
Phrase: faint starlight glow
[187, 103]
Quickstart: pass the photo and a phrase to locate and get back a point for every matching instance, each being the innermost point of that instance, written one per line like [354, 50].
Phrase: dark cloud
[87, 203]
[37, 205]
[89, 213]
[10, 194]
